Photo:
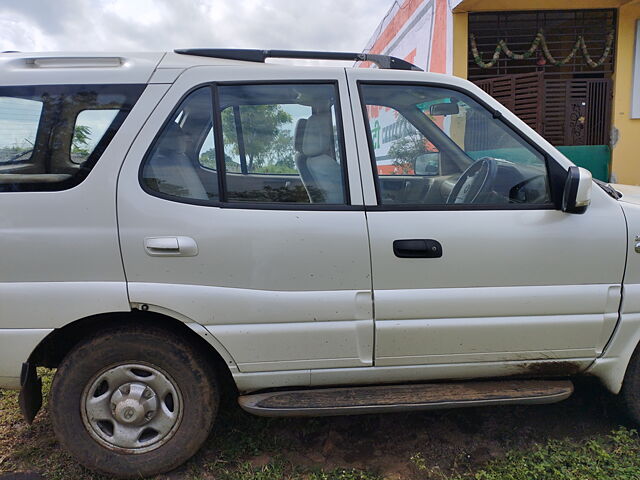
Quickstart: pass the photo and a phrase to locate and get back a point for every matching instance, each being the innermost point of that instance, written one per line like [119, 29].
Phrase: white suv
[328, 240]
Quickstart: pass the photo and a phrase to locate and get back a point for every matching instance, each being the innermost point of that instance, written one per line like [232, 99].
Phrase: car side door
[240, 209]
[475, 266]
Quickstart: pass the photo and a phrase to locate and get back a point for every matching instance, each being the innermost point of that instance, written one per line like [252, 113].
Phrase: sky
[160, 25]
[152, 25]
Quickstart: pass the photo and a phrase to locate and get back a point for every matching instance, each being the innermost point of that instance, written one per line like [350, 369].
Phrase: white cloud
[144, 25]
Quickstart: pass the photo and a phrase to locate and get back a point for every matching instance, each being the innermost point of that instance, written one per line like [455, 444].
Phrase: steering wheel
[475, 182]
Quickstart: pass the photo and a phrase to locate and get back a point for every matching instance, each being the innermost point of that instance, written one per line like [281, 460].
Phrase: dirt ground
[404, 446]
[444, 442]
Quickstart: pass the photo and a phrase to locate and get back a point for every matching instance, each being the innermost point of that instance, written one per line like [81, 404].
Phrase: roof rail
[255, 55]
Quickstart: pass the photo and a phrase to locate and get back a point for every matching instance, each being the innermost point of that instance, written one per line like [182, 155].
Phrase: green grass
[244, 447]
[612, 457]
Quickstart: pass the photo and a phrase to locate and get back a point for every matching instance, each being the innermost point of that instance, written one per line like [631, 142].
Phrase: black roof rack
[254, 55]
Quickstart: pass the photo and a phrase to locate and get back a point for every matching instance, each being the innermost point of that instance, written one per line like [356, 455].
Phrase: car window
[174, 165]
[51, 136]
[19, 119]
[400, 148]
[90, 127]
[207, 152]
[282, 144]
[435, 146]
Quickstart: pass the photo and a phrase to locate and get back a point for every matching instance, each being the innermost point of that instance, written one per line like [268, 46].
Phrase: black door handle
[417, 248]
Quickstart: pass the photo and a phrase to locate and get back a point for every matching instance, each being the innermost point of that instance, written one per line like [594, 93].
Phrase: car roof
[39, 68]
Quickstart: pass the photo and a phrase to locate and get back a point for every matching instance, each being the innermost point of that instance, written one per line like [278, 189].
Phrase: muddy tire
[133, 402]
[629, 396]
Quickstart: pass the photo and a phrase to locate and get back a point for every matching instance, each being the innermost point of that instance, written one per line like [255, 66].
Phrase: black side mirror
[576, 196]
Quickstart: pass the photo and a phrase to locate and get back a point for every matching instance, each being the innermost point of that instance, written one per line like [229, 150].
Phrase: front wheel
[133, 402]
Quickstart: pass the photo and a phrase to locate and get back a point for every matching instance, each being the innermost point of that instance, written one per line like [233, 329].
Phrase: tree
[280, 157]
[263, 137]
[81, 138]
[405, 150]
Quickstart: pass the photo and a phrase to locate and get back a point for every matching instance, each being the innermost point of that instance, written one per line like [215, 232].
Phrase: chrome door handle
[170, 246]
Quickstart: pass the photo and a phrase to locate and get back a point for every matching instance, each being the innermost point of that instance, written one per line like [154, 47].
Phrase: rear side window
[282, 144]
[52, 136]
[171, 167]
[90, 127]
[266, 144]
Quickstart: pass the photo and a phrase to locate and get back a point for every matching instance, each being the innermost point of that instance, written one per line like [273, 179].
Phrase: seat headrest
[172, 140]
[317, 135]
[298, 134]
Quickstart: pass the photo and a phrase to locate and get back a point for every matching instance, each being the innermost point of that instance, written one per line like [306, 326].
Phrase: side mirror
[577, 190]
[428, 164]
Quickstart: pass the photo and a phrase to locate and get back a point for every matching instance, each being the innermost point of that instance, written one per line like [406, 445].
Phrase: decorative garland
[538, 42]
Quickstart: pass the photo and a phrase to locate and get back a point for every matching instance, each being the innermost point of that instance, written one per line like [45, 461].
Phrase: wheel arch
[57, 344]
[611, 367]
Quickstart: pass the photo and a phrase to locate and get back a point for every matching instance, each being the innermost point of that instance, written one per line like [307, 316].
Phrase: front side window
[51, 136]
[435, 146]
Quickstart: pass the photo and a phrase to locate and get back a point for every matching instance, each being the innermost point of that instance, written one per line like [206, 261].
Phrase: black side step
[391, 398]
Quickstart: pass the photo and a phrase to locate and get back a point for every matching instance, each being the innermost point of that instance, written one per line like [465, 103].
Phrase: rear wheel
[133, 402]
[630, 393]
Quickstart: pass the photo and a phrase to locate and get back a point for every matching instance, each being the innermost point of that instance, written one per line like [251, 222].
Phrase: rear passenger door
[240, 208]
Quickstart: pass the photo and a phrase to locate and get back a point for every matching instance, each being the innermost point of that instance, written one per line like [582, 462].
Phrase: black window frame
[133, 94]
[555, 172]
[219, 152]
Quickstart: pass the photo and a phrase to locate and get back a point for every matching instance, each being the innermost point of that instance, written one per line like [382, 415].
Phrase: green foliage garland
[538, 42]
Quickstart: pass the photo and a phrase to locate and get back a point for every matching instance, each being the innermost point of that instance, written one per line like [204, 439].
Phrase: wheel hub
[132, 408]
[134, 403]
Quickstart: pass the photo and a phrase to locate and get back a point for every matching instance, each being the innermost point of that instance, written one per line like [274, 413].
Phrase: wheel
[133, 401]
[629, 396]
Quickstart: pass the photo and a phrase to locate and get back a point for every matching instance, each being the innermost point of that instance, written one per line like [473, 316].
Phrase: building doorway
[554, 70]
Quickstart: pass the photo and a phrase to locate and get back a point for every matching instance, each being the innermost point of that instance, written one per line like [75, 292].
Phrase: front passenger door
[481, 265]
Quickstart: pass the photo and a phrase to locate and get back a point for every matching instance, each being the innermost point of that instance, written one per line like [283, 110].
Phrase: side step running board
[393, 398]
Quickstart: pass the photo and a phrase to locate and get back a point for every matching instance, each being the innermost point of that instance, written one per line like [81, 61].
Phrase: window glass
[434, 146]
[207, 154]
[282, 144]
[51, 136]
[19, 119]
[90, 127]
[181, 162]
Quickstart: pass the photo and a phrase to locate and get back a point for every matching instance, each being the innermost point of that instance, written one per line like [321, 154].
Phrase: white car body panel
[13, 345]
[280, 289]
[64, 247]
[48, 68]
[610, 368]
[286, 297]
[511, 284]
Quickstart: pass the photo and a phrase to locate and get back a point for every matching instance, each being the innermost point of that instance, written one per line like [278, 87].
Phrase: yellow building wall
[626, 153]
[460, 44]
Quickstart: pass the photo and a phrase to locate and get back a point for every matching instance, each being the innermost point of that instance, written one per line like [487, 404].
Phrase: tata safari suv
[311, 240]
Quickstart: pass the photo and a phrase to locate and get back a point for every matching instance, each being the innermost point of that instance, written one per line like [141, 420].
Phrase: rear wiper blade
[16, 158]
